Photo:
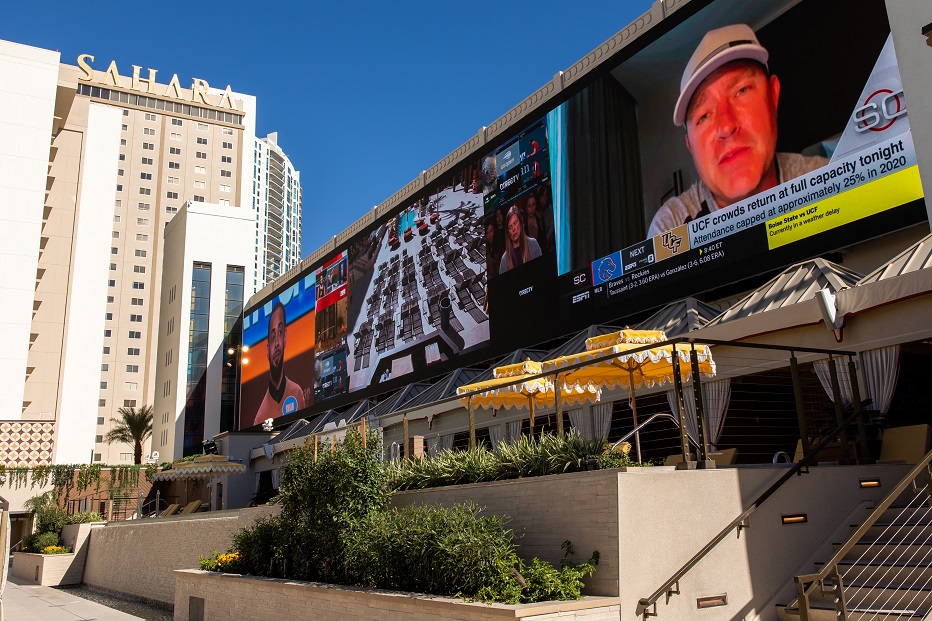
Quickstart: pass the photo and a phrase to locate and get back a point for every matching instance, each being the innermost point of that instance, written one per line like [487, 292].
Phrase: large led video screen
[277, 371]
[730, 140]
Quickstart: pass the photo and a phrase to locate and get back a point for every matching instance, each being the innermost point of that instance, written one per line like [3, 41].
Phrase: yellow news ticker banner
[885, 193]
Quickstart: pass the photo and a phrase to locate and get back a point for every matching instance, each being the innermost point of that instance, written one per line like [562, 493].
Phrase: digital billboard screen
[714, 148]
[278, 378]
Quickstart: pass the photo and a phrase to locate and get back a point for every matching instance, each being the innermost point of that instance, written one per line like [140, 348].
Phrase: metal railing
[650, 419]
[647, 606]
[891, 545]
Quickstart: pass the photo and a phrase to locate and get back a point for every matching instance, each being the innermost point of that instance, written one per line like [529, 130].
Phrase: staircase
[885, 567]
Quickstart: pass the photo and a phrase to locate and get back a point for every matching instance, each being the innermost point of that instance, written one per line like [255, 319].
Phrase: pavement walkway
[29, 602]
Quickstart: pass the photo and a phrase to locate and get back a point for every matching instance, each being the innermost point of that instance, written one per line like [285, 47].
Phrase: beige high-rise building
[98, 159]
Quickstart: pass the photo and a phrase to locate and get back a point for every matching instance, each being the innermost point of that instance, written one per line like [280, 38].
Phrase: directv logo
[579, 297]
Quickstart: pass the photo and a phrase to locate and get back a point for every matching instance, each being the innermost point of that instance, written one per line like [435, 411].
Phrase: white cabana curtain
[446, 442]
[844, 379]
[394, 452]
[689, 410]
[715, 399]
[601, 419]
[432, 445]
[514, 431]
[581, 420]
[496, 435]
[880, 369]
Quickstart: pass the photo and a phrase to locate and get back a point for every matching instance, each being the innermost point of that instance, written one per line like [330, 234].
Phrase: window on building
[172, 195]
[98, 439]
[147, 161]
[106, 349]
[101, 403]
[108, 333]
[142, 206]
[145, 176]
[135, 334]
[224, 187]
[200, 170]
[124, 127]
[109, 299]
[148, 131]
[135, 318]
[148, 146]
[174, 150]
[175, 136]
[122, 157]
[119, 187]
[171, 210]
[100, 419]
[177, 122]
[103, 385]
[138, 285]
[139, 269]
[225, 202]
[129, 403]
[126, 457]
[200, 155]
[125, 112]
[202, 126]
[142, 237]
[136, 302]
[119, 172]
[226, 173]
[132, 351]
[226, 159]
[114, 250]
[200, 183]
[113, 267]
[122, 142]
[174, 166]
[130, 385]
[145, 191]
[198, 355]
[116, 218]
[150, 116]
[111, 283]
[227, 145]
[174, 181]
[199, 199]
[227, 131]
[116, 235]
[105, 367]
[201, 140]
[97, 457]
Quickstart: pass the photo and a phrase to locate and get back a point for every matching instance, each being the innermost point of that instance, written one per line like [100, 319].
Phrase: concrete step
[824, 611]
[918, 571]
[880, 552]
[898, 532]
[911, 514]
[882, 597]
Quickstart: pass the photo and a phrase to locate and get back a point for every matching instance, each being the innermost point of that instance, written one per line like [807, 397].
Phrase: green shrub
[39, 541]
[55, 550]
[527, 457]
[83, 517]
[433, 549]
[228, 562]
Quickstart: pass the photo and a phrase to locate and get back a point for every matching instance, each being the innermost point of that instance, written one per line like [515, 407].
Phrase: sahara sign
[199, 87]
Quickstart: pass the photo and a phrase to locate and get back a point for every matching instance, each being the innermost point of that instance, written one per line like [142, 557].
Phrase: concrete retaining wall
[57, 569]
[136, 558]
[209, 596]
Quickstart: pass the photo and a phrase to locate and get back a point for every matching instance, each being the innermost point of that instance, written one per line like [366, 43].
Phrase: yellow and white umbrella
[534, 390]
[615, 365]
[203, 467]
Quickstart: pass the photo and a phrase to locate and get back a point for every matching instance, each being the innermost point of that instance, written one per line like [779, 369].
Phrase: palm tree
[133, 427]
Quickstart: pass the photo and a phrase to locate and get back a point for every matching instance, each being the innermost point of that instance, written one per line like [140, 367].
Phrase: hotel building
[99, 160]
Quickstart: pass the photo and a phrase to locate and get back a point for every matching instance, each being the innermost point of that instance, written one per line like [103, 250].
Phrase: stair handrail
[667, 588]
[649, 420]
[816, 579]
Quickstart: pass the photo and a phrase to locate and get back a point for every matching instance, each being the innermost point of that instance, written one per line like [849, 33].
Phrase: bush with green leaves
[84, 517]
[527, 457]
[335, 526]
[36, 542]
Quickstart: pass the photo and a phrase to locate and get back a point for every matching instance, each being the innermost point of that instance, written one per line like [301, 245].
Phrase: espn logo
[579, 297]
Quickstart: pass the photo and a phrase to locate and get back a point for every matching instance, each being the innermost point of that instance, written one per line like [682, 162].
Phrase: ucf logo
[671, 241]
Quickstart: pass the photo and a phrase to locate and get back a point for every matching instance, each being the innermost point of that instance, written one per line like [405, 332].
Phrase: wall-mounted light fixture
[868, 483]
[794, 518]
[712, 601]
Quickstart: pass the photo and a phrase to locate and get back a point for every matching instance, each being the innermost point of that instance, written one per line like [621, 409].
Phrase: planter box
[209, 596]
[46, 569]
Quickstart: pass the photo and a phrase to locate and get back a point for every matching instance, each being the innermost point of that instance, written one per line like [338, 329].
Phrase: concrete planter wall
[209, 596]
[57, 569]
[46, 569]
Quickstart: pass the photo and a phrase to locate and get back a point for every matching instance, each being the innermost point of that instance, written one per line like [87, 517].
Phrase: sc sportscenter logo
[880, 110]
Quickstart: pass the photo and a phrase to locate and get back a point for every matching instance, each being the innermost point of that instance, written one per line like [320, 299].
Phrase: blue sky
[364, 95]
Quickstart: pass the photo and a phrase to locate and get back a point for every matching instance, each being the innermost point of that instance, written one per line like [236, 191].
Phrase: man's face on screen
[277, 338]
[731, 131]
